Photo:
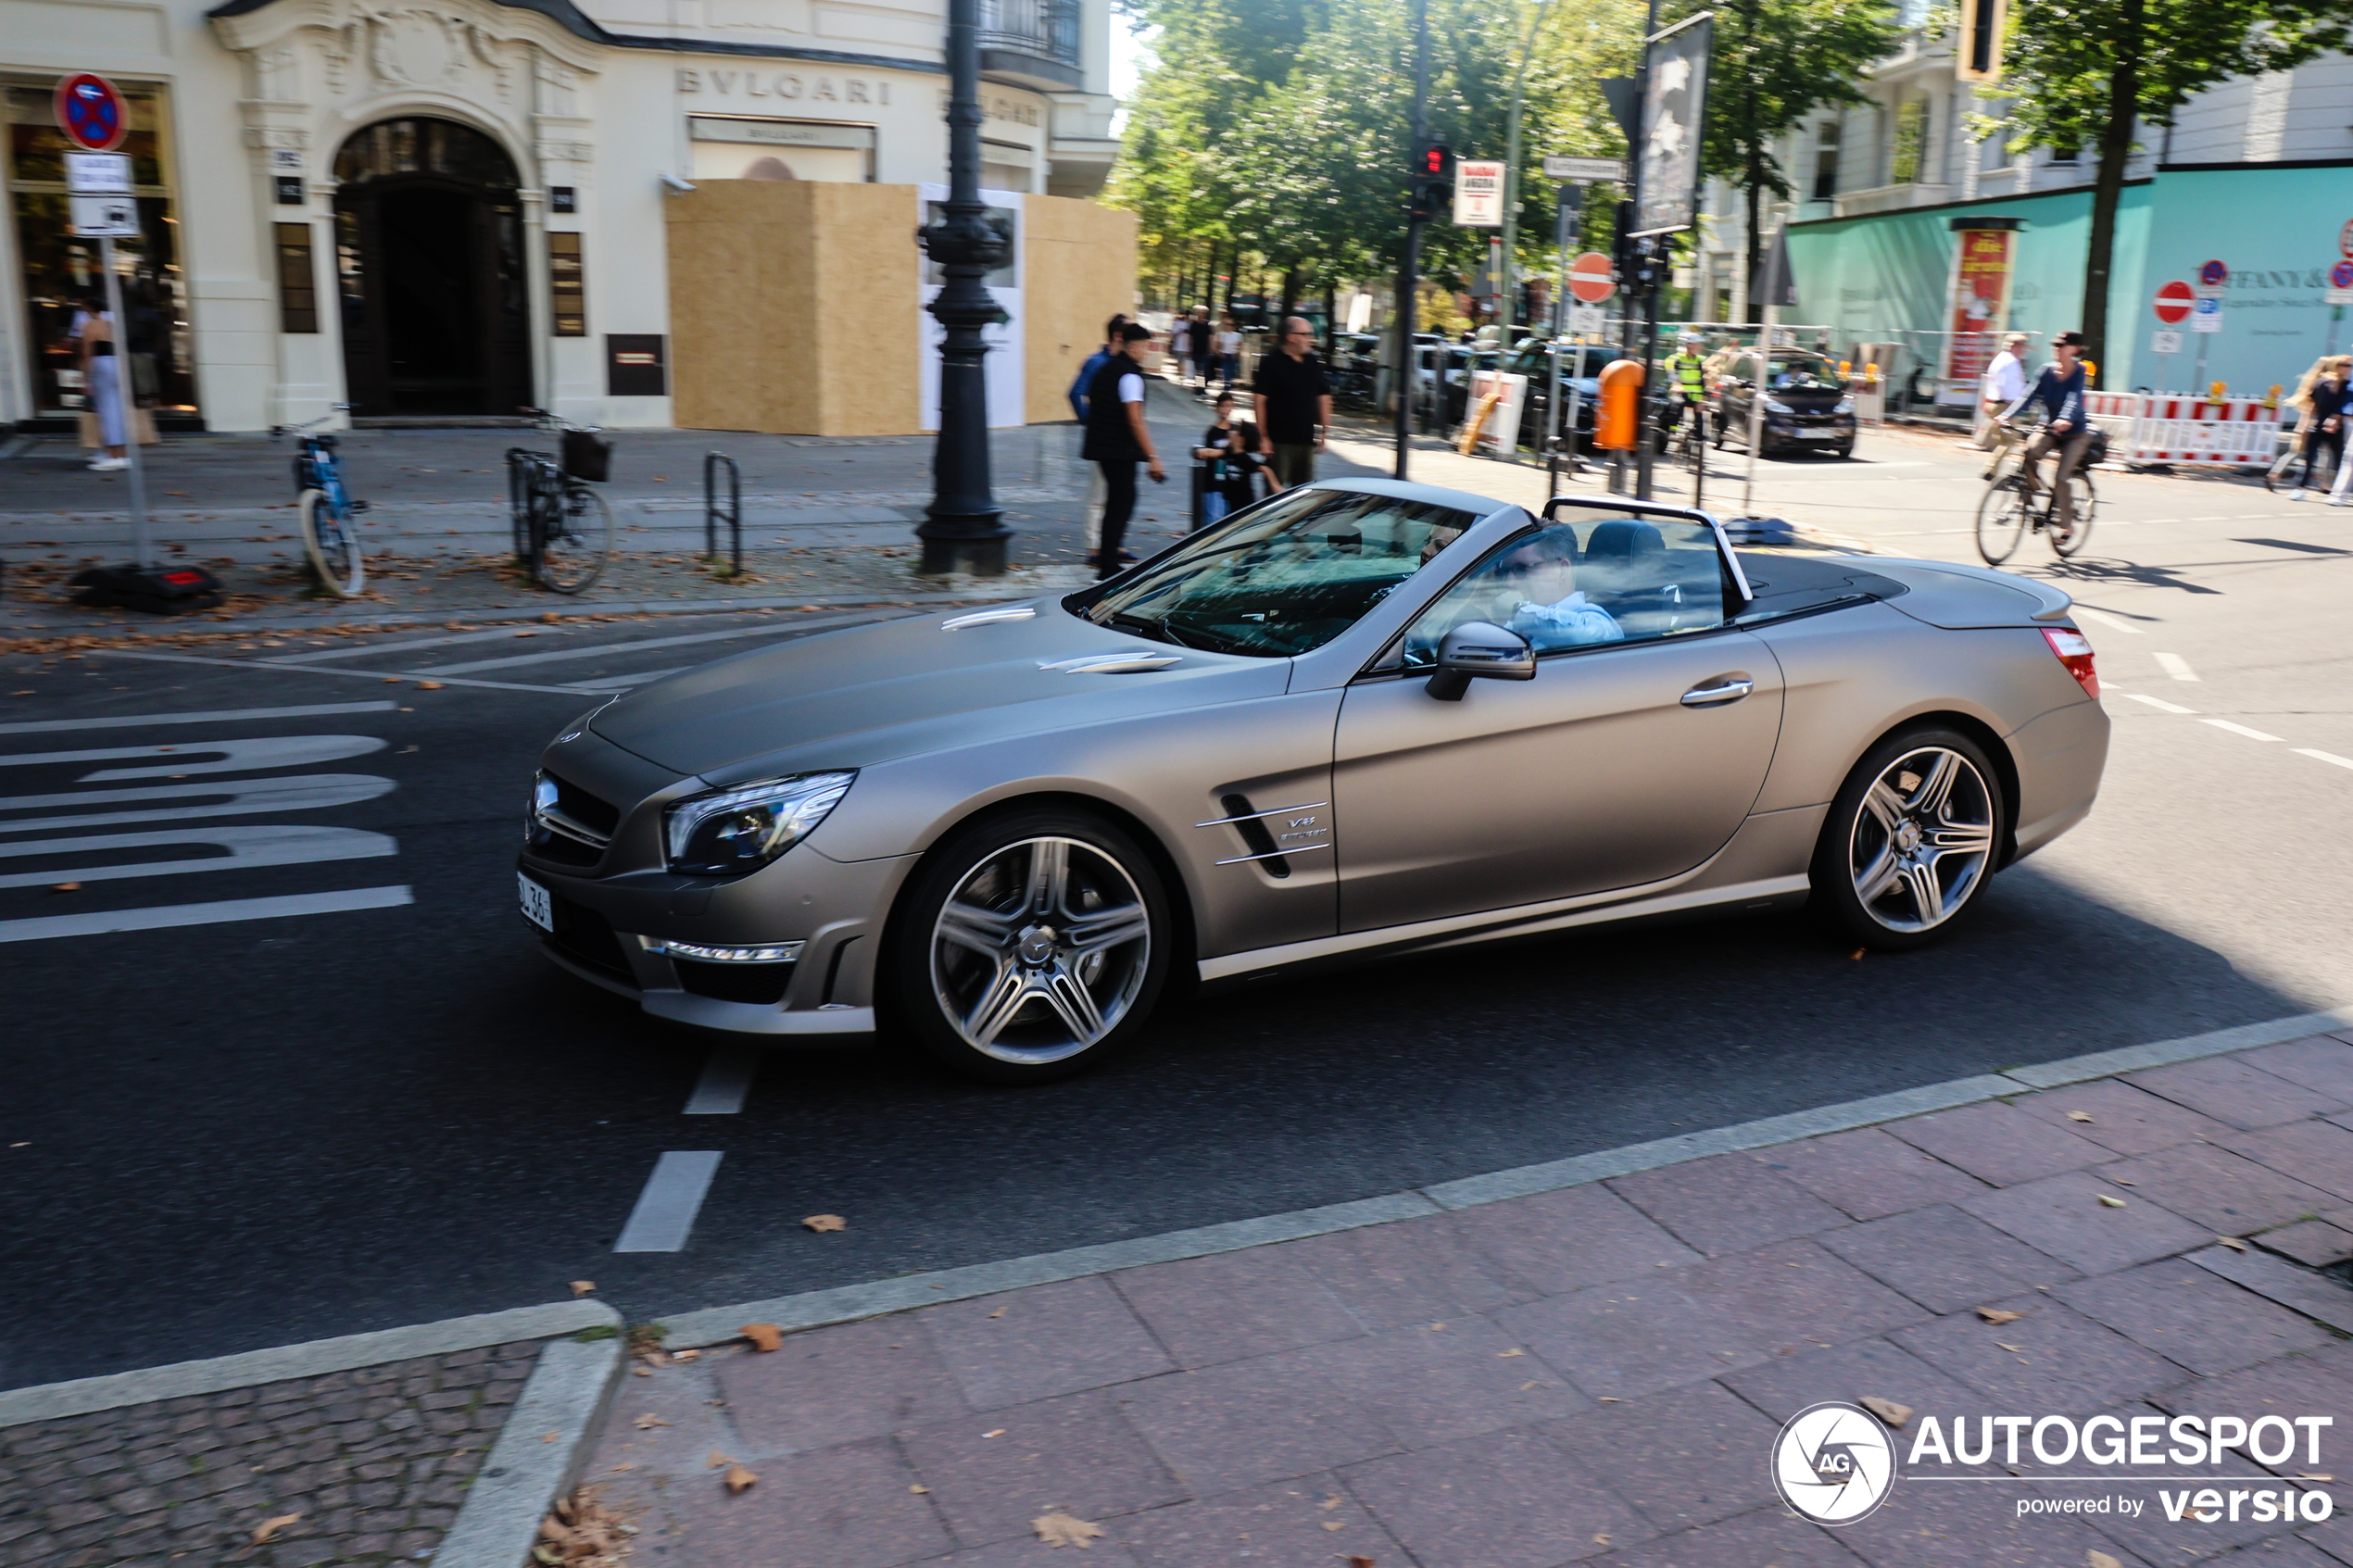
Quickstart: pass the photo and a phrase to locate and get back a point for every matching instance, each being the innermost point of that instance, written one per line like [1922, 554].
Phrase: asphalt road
[223, 1137]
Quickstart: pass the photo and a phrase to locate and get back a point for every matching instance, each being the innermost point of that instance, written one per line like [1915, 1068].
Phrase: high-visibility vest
[1688, 369]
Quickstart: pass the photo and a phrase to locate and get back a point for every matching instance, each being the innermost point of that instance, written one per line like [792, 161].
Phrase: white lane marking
[666, 1208]
[2325, 756]
[773, 629]
[417, 645]
[238, 755]
[2174, 664]
[2113, 622]
[353, 674]
[298, 792]
[161, 916]
[2159, 702]
[725, 1083]
[275, 845]
[2237, 728]
[622, 682]
[217, 715]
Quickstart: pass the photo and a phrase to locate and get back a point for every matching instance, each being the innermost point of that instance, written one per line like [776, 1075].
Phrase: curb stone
[849, 1303]
[538, 1456]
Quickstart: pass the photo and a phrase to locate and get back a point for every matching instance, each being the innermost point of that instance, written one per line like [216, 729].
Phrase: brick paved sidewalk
[372, 1462]
[1595, 1373]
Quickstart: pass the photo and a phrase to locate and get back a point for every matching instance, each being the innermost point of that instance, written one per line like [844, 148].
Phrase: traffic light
[1433, 180]
[1978, 54]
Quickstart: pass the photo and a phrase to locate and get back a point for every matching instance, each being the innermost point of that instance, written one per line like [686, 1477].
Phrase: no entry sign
[92, 113]
[2174, 301]
[1589, 278]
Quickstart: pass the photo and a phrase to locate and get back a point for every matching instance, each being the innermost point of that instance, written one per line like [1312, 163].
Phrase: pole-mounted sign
[1588, 170]
[1478, 194]
[1674, 113]
[1978, 55]
[92, 113]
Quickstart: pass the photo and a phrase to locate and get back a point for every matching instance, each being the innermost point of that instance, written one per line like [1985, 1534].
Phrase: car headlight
[1775, 405]
[741, 830]
[1845, 405]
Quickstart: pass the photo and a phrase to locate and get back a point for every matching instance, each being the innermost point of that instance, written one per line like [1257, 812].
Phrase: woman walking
[102, 382]
[2326, 400]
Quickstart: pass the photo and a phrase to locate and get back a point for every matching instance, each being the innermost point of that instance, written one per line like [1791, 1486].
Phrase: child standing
[1231, 450]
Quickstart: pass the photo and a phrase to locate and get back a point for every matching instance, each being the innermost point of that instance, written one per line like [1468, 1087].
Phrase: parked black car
[1807, 407]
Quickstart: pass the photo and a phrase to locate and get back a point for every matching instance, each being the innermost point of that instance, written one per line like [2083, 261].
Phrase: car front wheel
[1910, 841]
[1031, 947]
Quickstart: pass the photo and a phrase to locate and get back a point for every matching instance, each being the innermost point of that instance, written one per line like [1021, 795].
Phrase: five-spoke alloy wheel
[1911, 839]
[1031, 947]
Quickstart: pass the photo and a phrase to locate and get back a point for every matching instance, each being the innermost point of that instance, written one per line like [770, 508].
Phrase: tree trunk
[1290, 295]
[2107, 187]
[1332, 317]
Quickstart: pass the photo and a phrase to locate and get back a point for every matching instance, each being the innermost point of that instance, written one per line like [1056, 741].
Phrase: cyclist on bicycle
[2058, 393]
[1687, 387]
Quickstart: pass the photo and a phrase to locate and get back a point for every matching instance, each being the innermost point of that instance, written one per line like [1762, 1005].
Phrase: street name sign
[1590, 169]
[2208, 315]
[1589, 278]
[92, 113]
[1478, 194]
[2173, 302]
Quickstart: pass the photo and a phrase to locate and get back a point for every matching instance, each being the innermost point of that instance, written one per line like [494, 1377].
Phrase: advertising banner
[1673, 110]
[1982, 272]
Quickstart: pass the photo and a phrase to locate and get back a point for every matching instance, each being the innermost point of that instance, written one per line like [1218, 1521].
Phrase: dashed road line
[223, 912]
[673, 1196]
[236, 755]
[2113, 622]
[392, 675]
[547, 655]
[2323, 755]
[247, 846]
[2174, 664]
[2160, 702]
[2237, 728]
[216, 716]
[725, 1083]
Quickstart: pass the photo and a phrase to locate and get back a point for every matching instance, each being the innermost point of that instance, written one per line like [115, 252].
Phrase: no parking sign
[92, 113]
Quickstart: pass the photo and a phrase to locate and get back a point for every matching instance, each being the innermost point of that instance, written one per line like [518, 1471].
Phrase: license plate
[1820, 434]
[537, 907]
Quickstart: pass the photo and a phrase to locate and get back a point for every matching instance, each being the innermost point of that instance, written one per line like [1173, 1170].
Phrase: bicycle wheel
[578, 543]
[2001, 520]
[2286, 473]
[332, 542]
[2087, 504]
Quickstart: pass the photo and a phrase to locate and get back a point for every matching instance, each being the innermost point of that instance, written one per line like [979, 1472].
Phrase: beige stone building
[635, 212]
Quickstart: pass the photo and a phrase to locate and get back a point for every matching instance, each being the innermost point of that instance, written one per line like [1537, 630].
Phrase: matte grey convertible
[1358, 718]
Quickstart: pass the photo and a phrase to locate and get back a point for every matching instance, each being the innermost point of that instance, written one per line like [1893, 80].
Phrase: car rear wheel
[1911, 840]
[1031, 947]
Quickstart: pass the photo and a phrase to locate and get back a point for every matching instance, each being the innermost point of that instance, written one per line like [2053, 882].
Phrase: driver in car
[1537, 581]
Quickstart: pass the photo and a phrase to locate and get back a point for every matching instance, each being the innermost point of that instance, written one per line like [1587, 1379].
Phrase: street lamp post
[963, 530]
[1510, 312]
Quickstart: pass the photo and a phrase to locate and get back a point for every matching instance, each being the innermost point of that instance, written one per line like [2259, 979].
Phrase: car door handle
[1731, 689]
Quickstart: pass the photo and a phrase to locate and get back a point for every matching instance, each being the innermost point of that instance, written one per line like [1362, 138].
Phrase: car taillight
[2074, 650]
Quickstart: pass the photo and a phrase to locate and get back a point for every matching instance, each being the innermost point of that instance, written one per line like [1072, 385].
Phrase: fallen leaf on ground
[2234, 1243]
[618, 1468]
[2078, 1116]
[2013, 1350]
[1887, 1411]
[1539, 1383]
[583, 1286]
[1857, 953]
[737, 1478]
[642, 1370]
[2107, 1202]
[1998, 1314]
[1335, 1523]
[552, 1436]
[1329, 1503]
[2301, 1475]
[763, 1336]
[1506, 1355]
[263, 1532]
[998, 1433]
[2095, 1557]
[1060, 1529]
[1610, 1399]
[649, 1421]
[822, 1222]
[685, 1355]
[429, 685]
[718, 1459]
[1360, 1562]
[919, 1490]
[1602, 1539]
[66, 887]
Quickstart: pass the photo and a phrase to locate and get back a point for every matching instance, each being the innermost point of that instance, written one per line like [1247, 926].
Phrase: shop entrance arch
[429, 261]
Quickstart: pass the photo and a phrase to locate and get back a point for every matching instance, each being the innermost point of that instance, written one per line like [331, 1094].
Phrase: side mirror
[1480, 648]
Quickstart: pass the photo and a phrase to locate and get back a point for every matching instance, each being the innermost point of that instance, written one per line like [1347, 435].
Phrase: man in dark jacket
[1095, 361]
[1117, 438]
[1294, 402]
[2059, 392]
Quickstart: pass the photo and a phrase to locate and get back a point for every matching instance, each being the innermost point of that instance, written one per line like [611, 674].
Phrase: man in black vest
[1117, 439]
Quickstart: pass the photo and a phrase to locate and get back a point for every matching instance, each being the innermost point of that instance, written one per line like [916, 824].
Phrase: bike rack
[731, 514]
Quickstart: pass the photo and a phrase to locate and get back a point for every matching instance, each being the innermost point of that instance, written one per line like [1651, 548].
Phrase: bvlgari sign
[779, 132]
[812, 87]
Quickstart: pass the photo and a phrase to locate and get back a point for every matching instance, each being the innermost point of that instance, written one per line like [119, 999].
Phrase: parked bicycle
[562, 528]
[328, 516]
[2007, 511]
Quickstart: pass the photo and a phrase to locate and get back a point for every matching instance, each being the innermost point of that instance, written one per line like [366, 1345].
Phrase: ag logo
[1833, 1463]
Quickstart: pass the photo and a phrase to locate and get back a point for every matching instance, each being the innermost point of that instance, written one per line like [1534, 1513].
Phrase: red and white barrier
[2181, 428]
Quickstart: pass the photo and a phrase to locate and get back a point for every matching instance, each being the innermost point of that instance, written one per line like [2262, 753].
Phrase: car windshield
[1806, 372]
[1284, 577]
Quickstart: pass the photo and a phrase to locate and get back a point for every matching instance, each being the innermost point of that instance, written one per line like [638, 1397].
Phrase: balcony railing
[1046, 30]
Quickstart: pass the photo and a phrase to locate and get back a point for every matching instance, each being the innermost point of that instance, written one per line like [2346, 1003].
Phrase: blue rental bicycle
[329, 515]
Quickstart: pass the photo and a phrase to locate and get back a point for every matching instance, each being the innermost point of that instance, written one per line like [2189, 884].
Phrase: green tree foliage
[1282, 128]
[1776, 61]
[2084, 73]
